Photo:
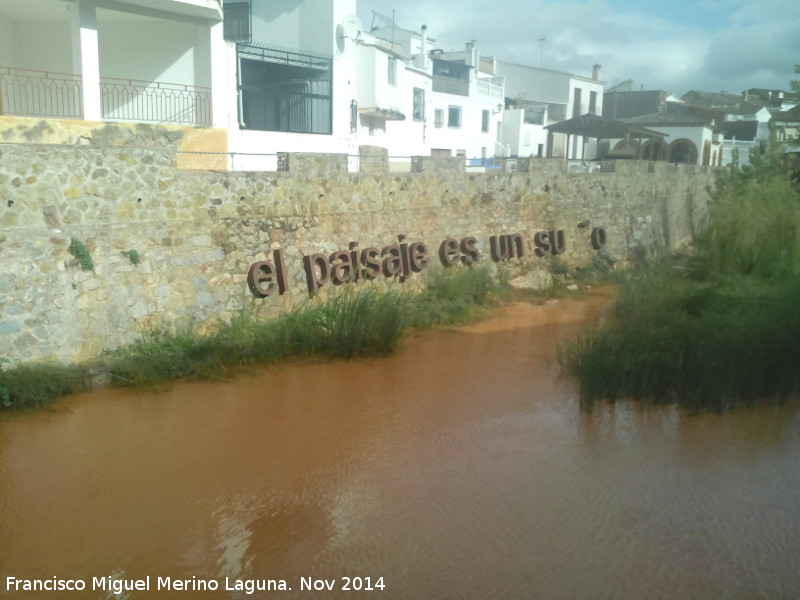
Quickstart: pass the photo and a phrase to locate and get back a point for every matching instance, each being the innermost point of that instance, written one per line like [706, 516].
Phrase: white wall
[522, 138]
[303, 24]
[7, 51]
[175, 52]
[409, 137]
[469, 136]
[530, 83]
[43, 46]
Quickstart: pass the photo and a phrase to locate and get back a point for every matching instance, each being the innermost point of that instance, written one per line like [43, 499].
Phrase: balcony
[493, 91]
[31, 93]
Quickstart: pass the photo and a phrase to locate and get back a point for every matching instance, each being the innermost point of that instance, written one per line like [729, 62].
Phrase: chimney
[596, 72]
[424, 47]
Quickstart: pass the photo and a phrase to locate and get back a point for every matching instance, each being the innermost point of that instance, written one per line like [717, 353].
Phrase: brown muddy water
[459, 468]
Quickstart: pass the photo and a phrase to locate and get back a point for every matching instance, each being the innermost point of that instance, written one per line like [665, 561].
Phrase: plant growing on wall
[79, 250]
[133, 256]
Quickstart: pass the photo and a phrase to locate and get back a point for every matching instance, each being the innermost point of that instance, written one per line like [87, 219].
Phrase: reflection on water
[459, 468]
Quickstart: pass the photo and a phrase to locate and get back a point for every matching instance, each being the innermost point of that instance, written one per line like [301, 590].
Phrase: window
[419, 104]
[454, 116]
[593, 103]
[353, 116]
[485, 121]
[438, 117]
[236, 25]
[285, 91]
[576, 103]
[392, 73]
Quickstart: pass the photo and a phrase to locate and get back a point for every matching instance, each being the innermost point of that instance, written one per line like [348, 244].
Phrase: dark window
[485, 121]
[419, 104]
[454, 116]
[392, 73]
[353, 116]
[593, 103]
[576, 103]
[282, 90]
[236, 22]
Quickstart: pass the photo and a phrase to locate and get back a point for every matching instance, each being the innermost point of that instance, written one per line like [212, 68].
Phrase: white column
[221, 86]
[89, 60]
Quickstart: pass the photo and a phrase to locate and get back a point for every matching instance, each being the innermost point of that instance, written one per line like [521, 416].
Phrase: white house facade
[158, 61]
[688, 140]
[294, 80]
[565, 95]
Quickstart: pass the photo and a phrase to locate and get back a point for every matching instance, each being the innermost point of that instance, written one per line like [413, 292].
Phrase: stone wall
[196, 233]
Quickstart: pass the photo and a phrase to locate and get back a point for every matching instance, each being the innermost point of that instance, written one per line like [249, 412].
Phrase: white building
[293, 68]
[311, 79]
[565, 95]
[155, 61]
[688, 139]
[467, 103]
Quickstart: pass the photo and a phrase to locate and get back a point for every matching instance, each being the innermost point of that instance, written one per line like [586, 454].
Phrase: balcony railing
[493, 91]
[25, 92]
[29, 93]
[154, 101]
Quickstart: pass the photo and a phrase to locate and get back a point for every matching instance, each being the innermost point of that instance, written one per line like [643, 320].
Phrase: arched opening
[654, 150]
[683, 151]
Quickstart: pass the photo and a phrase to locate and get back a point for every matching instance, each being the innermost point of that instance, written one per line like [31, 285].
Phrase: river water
[460, 467]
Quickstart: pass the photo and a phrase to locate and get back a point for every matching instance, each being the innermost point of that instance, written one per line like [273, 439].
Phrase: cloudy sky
[675, 45]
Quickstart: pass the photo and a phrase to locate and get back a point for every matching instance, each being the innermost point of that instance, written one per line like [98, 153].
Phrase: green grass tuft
[81, 253]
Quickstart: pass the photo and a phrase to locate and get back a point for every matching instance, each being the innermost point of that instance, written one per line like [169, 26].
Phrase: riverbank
[717, 328]
[358, 321]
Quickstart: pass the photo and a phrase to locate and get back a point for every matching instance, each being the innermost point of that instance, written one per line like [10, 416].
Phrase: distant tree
[794, 85]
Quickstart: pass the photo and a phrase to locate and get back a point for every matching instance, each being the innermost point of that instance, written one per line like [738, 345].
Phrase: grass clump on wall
[359, 320]
[81, 253]
[723, 329]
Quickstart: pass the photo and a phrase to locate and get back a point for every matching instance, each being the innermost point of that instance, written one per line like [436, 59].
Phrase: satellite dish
[352, 27]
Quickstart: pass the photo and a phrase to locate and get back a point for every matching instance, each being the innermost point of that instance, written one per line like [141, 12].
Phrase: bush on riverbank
[721, 329]
[360, 320]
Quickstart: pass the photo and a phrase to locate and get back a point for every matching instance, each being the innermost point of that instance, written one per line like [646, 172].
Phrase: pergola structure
[602, 128]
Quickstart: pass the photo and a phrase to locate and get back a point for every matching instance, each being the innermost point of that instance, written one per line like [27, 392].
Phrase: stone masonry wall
[197, 233]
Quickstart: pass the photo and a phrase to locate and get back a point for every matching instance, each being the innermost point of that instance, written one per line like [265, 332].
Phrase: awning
[593, 126]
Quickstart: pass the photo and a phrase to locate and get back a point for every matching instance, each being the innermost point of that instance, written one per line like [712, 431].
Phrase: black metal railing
[31, 93]
[154, 101]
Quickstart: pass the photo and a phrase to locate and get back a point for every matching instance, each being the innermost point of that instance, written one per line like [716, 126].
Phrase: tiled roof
[731, 103]
[791, 115]
[665, 119]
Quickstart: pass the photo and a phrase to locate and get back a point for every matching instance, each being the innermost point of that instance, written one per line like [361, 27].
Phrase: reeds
[360, 320]
[720, 330]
